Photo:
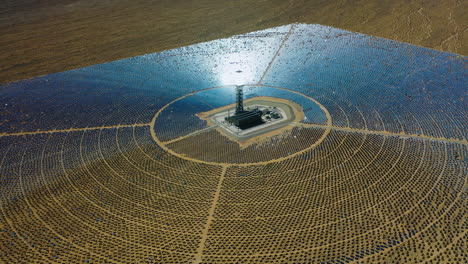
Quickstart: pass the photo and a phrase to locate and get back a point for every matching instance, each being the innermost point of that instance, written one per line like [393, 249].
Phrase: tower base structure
[261, 116]
[246, 119]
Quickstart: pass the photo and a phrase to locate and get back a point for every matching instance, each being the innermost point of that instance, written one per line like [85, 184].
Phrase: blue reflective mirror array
[110, 163]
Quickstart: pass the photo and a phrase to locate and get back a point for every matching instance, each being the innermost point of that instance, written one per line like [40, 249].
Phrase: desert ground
[41, 37]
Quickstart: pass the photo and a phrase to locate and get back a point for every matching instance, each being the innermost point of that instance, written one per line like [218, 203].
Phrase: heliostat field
[112, 163]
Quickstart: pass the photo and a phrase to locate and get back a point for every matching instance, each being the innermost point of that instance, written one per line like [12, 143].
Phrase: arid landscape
[41, 37]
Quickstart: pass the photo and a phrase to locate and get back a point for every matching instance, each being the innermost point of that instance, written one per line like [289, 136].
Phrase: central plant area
[218, 126]
[262, 115]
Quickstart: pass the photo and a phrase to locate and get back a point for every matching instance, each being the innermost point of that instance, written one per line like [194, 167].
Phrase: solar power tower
[240, 99]
[244, 119]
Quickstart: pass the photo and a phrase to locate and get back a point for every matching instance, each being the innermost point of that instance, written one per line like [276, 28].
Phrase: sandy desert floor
[41, 37]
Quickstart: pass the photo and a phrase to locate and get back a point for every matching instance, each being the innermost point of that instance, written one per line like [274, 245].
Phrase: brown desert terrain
[41, 37]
